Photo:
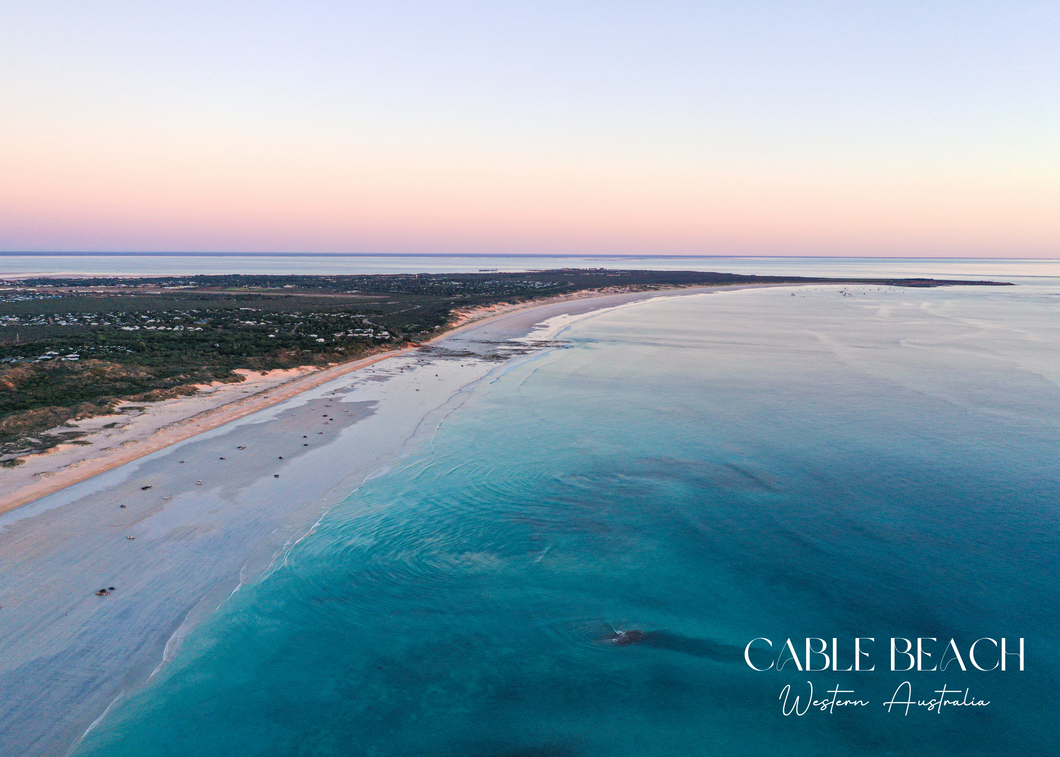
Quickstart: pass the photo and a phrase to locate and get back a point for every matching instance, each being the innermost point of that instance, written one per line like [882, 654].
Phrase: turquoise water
[705, 470]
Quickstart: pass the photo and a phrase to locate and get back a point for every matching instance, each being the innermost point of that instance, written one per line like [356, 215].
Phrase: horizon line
[603, 256]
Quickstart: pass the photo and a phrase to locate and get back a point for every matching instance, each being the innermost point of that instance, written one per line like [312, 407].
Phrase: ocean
[180, 264]
[576, 561]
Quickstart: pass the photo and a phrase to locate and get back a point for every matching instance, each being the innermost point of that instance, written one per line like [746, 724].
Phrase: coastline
[180, 527]
[179, 419]
[54, 471]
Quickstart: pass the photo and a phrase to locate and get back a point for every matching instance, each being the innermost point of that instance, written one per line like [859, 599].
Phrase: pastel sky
[713, 128]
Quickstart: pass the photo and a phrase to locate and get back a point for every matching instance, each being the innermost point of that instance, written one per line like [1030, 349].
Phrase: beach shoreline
[172, 533]
[56, 469]
[176, 525]
[172, 421]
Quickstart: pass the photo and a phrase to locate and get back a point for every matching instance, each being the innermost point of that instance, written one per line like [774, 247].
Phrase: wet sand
[210, 512]
[138, 429]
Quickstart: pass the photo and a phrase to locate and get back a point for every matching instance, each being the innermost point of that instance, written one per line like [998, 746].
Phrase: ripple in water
[574, 564]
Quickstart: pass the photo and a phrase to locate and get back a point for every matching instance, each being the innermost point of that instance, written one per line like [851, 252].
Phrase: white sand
[139, 428]
[66, 654]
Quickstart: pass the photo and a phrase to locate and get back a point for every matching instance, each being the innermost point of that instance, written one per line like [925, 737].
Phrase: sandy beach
[187, 502]
[138, 429]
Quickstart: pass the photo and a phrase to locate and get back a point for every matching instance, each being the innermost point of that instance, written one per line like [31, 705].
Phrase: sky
[702, 128]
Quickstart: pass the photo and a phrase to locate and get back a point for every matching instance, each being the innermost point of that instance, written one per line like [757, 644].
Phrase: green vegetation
[72, 348]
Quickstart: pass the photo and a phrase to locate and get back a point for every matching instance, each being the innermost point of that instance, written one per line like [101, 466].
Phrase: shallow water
[706, 470]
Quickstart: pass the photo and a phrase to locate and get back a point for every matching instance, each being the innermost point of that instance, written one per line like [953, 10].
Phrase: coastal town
[74, 348]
